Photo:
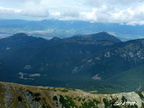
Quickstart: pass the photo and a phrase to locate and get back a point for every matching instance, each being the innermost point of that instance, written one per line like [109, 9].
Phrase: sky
[129, 12]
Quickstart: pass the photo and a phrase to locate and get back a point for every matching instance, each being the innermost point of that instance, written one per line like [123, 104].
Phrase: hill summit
[101, 36]
[104, 36]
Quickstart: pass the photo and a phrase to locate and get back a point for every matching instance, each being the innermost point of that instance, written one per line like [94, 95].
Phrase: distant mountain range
[99, 62]
[62, 29]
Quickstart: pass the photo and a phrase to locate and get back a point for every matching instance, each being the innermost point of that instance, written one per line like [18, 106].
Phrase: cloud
[113, 3]
[8, 11]
[130, 16]
[41, 8]
[125, 12]
[13, 1]
[35, 9]
[111, 11]
[70, 13]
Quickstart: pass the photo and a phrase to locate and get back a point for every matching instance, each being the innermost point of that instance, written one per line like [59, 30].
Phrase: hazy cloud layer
[117, 11]
[113, 3]
[35, 9]
[8, 11]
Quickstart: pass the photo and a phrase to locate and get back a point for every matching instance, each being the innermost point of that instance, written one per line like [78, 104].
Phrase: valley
[91, 62]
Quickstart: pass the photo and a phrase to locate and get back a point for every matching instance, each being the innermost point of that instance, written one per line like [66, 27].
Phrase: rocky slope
[23, 96]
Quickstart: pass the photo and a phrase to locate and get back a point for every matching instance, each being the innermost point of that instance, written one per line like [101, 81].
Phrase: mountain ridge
[58, 28]
[68, 62]
[101, 36]
[17, 95]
